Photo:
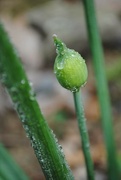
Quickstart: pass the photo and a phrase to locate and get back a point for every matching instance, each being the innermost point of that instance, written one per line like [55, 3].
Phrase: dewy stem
[47, 150]
[84, 134]
[102, 88]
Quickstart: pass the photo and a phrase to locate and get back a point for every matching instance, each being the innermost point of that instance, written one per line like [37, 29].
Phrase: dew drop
[42, 160]
[57, 51]
[32, 98]
[22, 81]
[61, 149]
[32, 95]
[74, 89]
[4, 78]
[13, 89]
[83, 84]
[60, 65]
[87, 146]
[72, 55]
[55, 72]
[30, 83]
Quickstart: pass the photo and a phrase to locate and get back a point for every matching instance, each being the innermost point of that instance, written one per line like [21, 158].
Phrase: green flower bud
[69, 67]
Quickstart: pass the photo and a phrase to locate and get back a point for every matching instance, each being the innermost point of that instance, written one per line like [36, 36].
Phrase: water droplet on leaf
[60, 65]
[22, 81]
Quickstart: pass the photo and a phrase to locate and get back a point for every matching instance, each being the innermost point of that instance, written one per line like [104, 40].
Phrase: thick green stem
[84, 135]
[103, 94]
[47, 150]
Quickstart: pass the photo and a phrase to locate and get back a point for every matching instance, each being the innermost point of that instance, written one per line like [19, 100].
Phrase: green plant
[49, 153]
[71, 72]
[9, 170]
[102, 89]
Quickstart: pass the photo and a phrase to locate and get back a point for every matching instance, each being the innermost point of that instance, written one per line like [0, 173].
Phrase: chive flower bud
[69, 67]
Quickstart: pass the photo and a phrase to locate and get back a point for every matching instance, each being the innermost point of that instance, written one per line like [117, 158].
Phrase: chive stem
[102, 88]
[84, 134]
